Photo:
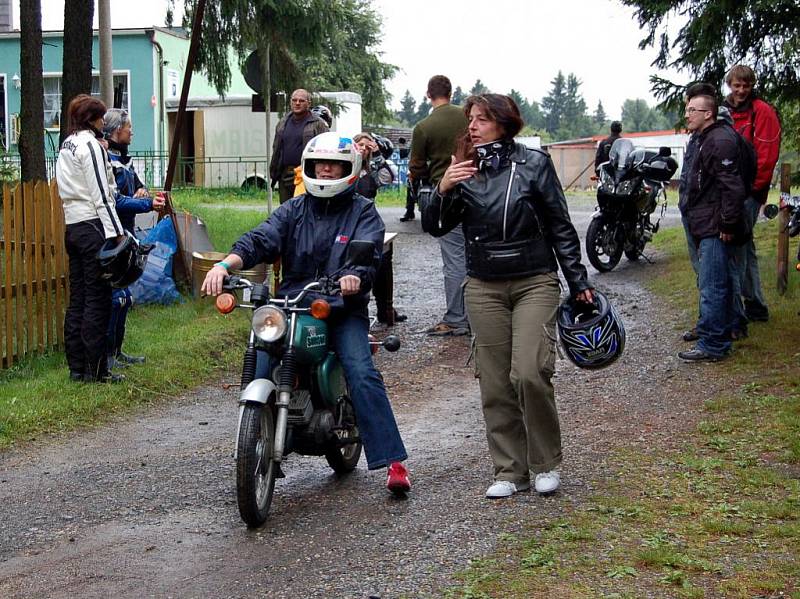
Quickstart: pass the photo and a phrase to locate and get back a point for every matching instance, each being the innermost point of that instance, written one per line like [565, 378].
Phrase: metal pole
[106, 59]
[197, 25]
[783, 232]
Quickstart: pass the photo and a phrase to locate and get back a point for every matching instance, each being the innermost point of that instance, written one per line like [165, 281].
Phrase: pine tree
[407, 113]
[423, 110]
[599, 117]
[458, 96]
[478, 88]
[31, 136]
[553, 104]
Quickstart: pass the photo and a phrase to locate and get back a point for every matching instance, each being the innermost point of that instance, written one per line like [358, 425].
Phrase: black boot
[126, 359]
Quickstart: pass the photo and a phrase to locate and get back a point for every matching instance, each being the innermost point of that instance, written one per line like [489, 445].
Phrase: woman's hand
[350, 284]
[455, 174]
[586, 296]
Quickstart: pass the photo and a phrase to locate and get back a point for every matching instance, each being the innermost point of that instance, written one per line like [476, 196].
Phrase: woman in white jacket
[86, 186]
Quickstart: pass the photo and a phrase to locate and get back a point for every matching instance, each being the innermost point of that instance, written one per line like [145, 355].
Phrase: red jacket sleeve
[766, 142]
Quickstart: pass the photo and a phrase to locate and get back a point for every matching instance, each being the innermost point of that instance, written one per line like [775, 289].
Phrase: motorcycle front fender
[257, 391]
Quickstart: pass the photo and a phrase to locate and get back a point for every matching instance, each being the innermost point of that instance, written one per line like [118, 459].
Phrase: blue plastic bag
[156, 285]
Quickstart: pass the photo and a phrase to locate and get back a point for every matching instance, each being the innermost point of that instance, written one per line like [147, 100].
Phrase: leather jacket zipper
[508, 195]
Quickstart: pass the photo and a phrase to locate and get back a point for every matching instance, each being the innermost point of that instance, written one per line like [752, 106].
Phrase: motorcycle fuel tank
[310, 339]
[330, 379]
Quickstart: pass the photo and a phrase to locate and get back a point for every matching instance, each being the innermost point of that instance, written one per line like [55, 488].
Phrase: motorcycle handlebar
[233, 282]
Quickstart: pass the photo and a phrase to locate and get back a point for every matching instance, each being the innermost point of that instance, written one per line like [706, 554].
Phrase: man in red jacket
[758, 123]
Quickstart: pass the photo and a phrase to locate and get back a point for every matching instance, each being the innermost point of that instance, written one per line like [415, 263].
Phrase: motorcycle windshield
[621, 149]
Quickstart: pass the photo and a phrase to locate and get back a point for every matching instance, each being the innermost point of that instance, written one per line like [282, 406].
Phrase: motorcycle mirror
[771, 211]
[360, 253]
[664, 151]
[391, 343]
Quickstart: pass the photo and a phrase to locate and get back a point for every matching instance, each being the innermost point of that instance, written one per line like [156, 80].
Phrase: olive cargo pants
[514, 326]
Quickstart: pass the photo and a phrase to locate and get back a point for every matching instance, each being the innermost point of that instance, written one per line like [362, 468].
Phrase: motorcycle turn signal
[320, 309]
[225, 303]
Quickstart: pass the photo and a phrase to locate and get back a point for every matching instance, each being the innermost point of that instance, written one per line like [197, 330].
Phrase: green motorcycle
[303, 406]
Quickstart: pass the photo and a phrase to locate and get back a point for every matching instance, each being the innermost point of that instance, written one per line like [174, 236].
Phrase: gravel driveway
[146, 506]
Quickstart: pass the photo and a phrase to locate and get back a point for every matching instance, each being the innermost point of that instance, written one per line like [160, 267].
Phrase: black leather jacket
[512, 229]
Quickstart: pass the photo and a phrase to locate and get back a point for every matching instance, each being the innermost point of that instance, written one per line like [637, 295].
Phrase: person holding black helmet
[517, 233]
[85, 184]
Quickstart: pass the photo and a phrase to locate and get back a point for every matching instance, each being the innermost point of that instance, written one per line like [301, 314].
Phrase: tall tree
[31, 137]
[409, 109]
[458, 96]
[77, 60]
[478, 88]
[349, 58]
[718, 34]
[599, 117]
[575, 120]
[423, 110]
[553, 104]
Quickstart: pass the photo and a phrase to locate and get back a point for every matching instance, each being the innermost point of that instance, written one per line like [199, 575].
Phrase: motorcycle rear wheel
[603, 247]
[344, 459]
[255, 468]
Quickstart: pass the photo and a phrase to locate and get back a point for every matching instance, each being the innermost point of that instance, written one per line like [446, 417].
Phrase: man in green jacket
[433, 142]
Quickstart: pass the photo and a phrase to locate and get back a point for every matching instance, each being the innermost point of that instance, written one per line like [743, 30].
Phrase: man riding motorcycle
[310, 233]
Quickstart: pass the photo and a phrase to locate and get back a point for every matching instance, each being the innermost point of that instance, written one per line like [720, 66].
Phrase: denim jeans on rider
[719, 291]
[376, 424]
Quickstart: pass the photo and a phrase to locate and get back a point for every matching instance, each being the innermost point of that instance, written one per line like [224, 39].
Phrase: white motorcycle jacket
[86, 183]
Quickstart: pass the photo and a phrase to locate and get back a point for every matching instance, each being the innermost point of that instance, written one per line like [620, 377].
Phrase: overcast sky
[518, 44]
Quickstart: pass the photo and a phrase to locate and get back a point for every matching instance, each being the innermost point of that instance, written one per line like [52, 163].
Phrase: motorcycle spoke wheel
[255, 469]
[603, 247]
[344, 459]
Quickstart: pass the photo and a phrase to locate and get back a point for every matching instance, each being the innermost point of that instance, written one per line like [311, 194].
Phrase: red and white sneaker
[397, 481]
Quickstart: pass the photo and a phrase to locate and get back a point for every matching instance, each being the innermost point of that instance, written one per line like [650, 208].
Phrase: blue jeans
[121, 302]
[719, 285]
[376, 424]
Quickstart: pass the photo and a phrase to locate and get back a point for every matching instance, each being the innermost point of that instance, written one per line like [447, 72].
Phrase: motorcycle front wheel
[603, 246]
[255, 468]
[344, 459]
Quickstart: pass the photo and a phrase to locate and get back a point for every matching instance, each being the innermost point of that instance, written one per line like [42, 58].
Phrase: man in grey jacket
[293, 132]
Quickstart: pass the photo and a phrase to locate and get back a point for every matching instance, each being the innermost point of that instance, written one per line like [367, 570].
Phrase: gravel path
[146, 506]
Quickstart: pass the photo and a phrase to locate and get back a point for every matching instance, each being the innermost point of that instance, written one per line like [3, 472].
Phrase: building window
[52, 96]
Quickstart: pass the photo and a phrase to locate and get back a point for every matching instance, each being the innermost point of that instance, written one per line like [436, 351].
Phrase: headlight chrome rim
[269, 324]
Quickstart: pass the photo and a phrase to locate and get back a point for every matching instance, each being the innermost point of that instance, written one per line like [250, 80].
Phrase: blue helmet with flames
[592, 335]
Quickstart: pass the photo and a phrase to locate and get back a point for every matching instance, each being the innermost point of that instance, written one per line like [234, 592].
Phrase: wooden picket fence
[34, 279]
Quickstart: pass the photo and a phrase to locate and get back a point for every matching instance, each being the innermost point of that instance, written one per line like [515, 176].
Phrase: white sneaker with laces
[547, 482]
[501, 489]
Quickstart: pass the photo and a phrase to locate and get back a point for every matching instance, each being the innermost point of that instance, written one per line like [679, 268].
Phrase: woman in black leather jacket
[517, 232]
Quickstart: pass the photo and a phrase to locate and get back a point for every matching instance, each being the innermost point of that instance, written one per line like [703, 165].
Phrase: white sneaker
[547, 482]
[501, 489]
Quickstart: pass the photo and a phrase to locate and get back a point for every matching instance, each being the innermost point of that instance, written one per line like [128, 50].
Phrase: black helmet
[592, 335]
[122, 261]
[324, 113]
[385, 145]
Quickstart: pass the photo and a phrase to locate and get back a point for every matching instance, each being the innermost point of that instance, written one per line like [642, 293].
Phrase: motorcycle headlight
[269, 324]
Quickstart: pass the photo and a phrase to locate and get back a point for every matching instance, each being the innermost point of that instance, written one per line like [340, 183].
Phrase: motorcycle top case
[310, 339]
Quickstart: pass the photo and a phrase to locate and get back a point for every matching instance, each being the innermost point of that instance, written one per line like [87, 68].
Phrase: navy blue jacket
[127, 184]
[310, 236]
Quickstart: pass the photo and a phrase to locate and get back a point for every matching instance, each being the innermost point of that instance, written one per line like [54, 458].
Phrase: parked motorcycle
[303, 405]
[792, 204]
[630, 186]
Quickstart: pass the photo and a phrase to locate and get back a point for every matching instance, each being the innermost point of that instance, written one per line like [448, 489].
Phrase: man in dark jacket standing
[604, 147]
[432, 145]
[292, 134]
[715, 214]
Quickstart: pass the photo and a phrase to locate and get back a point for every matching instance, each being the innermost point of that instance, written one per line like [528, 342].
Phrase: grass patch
[720, 517]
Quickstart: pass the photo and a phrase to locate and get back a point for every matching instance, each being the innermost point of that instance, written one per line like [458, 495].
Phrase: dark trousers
[121, 302]
[383, 288]
[286, 184]
[89, 309]
[411, 199]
